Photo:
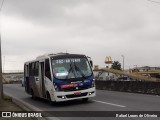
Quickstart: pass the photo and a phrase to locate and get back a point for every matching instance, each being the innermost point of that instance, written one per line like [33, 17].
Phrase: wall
[144, 87]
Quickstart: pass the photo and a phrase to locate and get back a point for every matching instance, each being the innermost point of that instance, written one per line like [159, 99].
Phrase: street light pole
[3, 64]
[1, 83]
[123, 61]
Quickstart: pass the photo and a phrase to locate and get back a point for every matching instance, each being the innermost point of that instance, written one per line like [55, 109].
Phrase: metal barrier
[145, 87]
[132, 75]
[4, 80]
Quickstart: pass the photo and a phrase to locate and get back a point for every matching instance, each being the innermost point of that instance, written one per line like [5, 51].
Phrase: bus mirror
[91, 63]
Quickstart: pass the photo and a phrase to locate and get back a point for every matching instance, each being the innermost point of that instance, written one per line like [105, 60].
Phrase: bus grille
[74, 89]
[74, 96]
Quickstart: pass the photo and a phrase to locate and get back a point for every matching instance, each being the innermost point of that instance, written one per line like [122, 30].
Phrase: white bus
[60, 77]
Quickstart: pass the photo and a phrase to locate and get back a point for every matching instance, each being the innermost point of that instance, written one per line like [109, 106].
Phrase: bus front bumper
[65, 96]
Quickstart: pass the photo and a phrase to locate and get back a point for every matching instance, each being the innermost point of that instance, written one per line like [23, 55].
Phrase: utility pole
[123, 61]
[1, 83]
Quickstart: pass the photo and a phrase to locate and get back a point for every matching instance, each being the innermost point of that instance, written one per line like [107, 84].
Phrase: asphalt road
[104, 101]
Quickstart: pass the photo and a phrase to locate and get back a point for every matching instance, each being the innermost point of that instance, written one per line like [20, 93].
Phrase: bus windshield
[71, 68]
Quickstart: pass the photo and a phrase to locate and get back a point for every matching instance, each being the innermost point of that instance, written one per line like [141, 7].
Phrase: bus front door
[42, 79]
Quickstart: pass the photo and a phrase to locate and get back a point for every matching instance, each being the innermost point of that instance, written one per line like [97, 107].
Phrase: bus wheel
[84, 99]
[49, 98]
[33, 96]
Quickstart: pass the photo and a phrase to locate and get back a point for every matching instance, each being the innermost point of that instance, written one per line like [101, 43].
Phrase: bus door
[48, 80]
[36, 77]
[26, 78]
[42, 82]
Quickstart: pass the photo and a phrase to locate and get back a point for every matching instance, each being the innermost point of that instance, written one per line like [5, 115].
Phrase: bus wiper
[70, 69]
[78, 69]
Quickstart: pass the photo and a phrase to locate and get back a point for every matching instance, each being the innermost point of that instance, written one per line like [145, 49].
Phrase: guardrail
[4, 80]
[132, 75]
[7, 80]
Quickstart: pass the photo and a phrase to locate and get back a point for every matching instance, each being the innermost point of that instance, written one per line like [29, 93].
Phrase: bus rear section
[60, 77]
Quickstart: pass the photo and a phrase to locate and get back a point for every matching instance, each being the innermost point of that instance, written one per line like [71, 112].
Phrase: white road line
[109, 103]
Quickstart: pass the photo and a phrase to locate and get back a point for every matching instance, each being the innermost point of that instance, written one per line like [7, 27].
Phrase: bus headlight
[90, 93]
[56, 87]
[62, 97]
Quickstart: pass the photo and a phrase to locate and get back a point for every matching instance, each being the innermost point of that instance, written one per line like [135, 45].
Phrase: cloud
[97, 28]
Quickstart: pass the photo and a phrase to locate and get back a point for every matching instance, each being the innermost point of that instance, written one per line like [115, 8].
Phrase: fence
[145, 87]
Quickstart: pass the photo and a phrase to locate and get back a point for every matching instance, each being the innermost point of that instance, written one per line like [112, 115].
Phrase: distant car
[22, 82]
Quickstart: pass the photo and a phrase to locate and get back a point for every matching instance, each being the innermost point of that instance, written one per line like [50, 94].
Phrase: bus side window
[26, 71]
[30, 69]
[36, 71]
[47, 69]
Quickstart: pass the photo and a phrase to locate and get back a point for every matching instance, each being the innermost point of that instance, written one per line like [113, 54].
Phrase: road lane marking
[28, 106]
[109, 103]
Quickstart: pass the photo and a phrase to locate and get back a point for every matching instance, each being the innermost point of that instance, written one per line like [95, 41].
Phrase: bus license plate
[77, 93]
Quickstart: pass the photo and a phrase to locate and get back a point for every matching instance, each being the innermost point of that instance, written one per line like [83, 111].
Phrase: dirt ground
[7, 105]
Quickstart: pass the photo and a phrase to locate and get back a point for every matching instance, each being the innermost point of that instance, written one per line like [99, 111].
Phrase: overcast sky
[97, 28]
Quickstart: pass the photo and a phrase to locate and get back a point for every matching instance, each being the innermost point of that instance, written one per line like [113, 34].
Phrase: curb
[28, 107]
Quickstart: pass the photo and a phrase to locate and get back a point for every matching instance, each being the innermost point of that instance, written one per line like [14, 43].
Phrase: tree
[116, 65]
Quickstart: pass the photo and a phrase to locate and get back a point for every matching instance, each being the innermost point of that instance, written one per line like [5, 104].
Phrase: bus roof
[58, 55]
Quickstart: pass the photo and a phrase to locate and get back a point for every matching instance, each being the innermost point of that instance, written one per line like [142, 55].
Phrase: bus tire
[85, 99]
[33, 96]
